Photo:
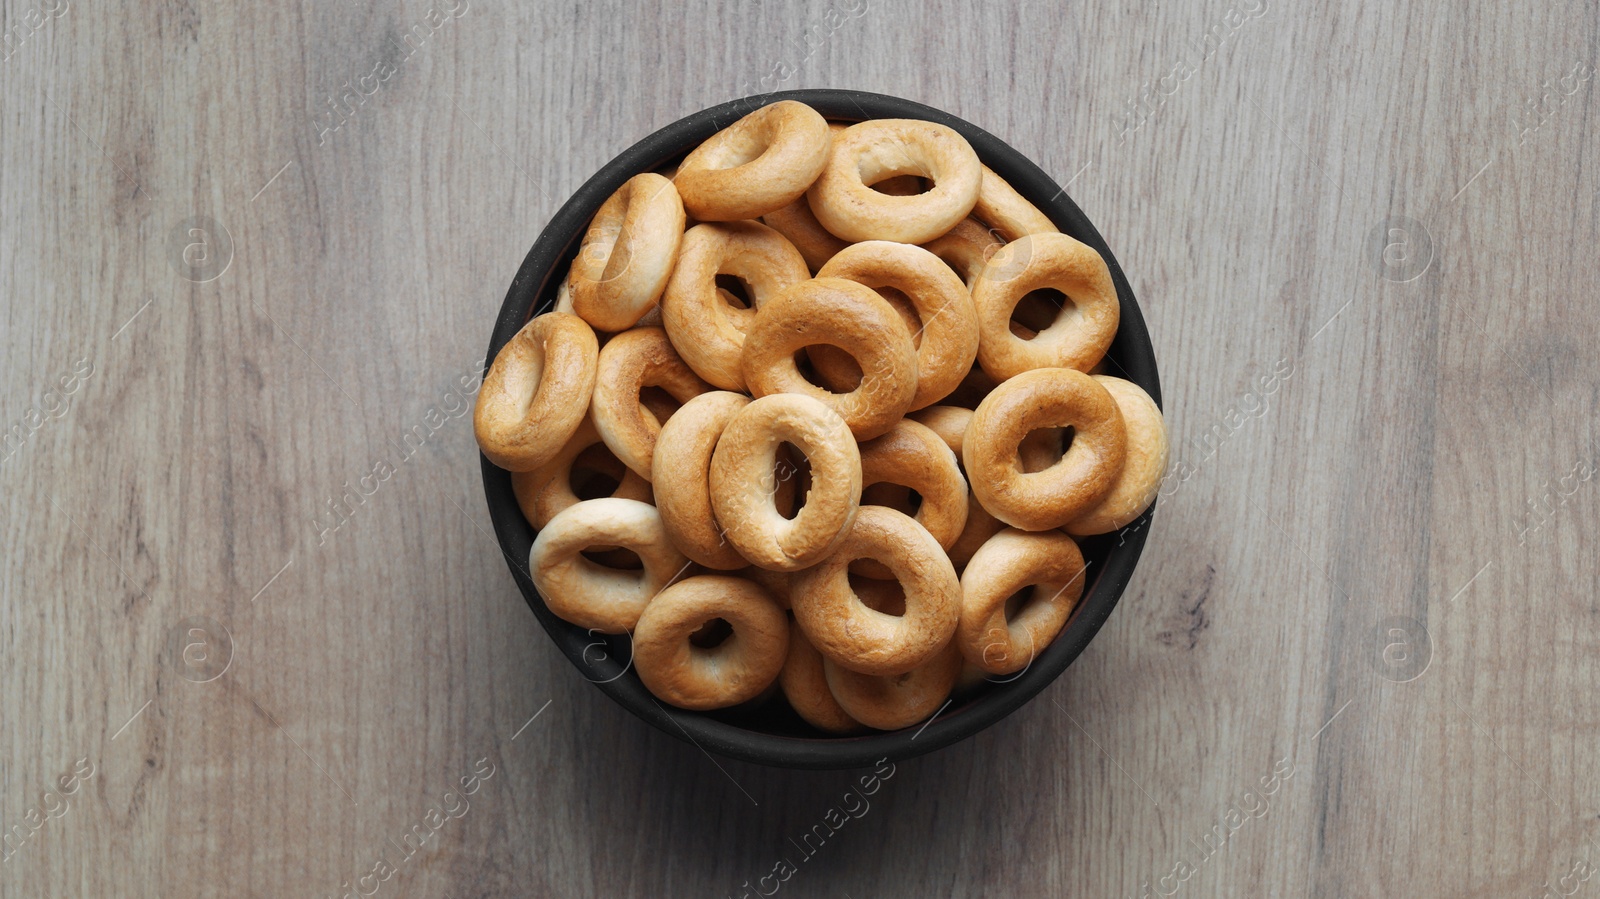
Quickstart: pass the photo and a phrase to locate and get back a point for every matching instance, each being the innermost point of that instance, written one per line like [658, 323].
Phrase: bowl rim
[596, 658]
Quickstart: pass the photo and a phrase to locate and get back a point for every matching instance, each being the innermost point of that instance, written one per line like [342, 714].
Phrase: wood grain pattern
[1363, 237]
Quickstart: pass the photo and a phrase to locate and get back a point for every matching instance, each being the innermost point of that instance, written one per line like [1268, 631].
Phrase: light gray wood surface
[1377, 573]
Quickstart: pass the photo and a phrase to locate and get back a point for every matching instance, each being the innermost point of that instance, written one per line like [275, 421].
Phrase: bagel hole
[1043, 448]
[589, 484]
[1037, 311]
[792, 467]
[596, 473]
[886, 596]
[735, 291]
[1019, 601]
[614, 557]
[711, 634]
[846, 371]
[902, 185]
[658, 402]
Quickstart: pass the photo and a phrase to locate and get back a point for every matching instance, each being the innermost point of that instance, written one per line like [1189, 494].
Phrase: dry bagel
[1044, 398]
[806, 687]
[1012, 560]
[946, 337]
[630, 362]
[627, 253]
[1083, 329]
[859, 638]
[746, 455]
[1142, 470]
[911, 455]
[737, 670]
[878, 149]
[536, 392]
[847, 315]
[708, 331]
[590, 595]
[760, 163]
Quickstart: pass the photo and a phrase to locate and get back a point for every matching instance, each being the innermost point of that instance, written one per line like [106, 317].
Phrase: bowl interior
[772, 733]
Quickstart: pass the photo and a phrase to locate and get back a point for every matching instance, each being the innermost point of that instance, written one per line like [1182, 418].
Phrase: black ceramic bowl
[772, 734]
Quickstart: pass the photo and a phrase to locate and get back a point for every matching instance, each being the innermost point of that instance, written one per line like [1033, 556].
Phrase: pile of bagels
[804, 419]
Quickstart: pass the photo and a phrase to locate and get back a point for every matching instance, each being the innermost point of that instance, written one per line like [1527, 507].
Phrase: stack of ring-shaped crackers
[803, 416]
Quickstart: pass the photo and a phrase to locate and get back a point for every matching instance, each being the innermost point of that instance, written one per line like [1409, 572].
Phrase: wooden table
[250, 253]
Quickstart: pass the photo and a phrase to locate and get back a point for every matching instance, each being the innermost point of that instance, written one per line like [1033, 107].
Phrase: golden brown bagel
[705, 329]
[837, 370]
[630, 362]
[1142, 471]
[895, 701]
[979, 528]
[589, 595]
[912, 455]
[682, 469]
[879, 149]
[949, 422]
[760, 163]
[536, 392]
[627, 253]
[848, 632]
[946, 335]
[742, 488]
[776, 583]
[799, 225]
[1006, 211]
[806, 688]
[1082, 330]
[1044, 398]
[736, 670]
[1009, 562]
[966, 248]
[1038, 451]
[846, 315]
